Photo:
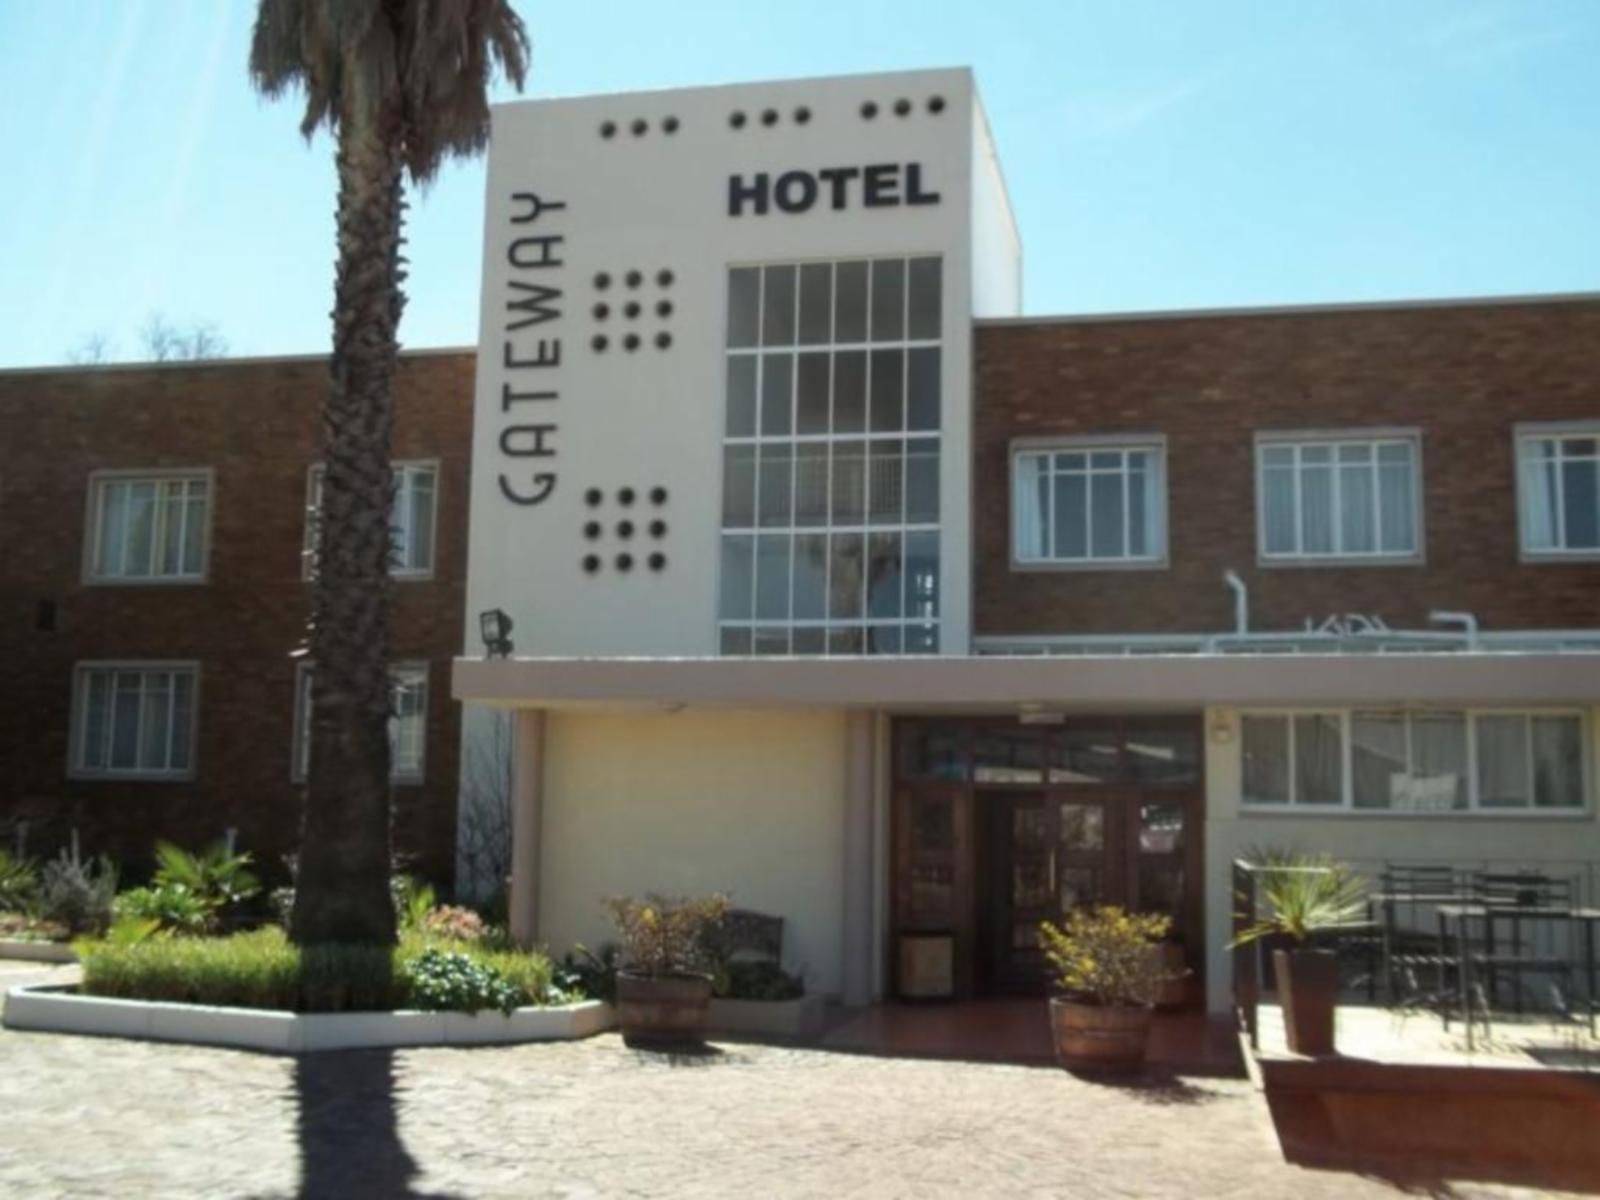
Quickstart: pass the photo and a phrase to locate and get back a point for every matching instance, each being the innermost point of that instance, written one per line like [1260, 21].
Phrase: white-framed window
[1339, 496]
[831, 458]
[134, 720]
[1093, 502]
[412, 518]
[1558, 491]
[408, 722]
[148, 526]
[1416, 761]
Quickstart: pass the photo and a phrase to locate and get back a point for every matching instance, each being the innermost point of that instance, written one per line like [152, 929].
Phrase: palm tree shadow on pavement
[348, 1125]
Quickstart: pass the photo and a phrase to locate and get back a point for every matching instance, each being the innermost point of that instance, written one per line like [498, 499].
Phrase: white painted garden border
[50, 1009]
[798, 1018]
[47, 952]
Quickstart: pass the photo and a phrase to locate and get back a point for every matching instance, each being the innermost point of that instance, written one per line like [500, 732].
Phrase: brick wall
[1463, 375]
[255, 425]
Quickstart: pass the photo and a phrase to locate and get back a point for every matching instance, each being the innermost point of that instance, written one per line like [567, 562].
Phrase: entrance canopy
[1031, 684]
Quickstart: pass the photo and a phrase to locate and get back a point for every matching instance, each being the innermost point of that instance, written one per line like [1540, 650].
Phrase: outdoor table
[1388, 903]
[1460, 917]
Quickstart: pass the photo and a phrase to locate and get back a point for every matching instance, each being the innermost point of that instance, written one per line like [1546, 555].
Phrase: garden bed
[37, 951]
[64, 1010]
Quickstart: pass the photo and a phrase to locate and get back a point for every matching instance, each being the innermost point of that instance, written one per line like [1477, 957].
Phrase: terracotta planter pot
[1091, 1037]
[1174, 989]
[662, 1010]
[1308, 988]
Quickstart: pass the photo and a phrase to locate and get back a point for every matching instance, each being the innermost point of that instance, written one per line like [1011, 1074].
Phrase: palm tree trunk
[342, 889]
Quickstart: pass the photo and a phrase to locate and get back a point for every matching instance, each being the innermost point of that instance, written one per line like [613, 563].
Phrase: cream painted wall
[750, 804]
[1367, 841]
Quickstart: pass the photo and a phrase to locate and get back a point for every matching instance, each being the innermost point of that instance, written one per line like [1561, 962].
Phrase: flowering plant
[1106, 955]
[665, 935]
[454, 923]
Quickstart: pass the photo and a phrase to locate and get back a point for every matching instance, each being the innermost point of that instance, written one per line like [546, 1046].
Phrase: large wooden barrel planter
[1089, 1037]
[665, 1010]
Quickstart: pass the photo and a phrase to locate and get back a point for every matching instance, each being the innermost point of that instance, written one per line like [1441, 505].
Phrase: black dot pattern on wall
[625, 496]
[640, 125]
[631, 342]
[869, 110]
[664, 278]
[624, 562]
[593, 496]
[802, 115]
[736, 119]
[631, 309]
[602, 281]
[936, 104]
[769, 117]
[658, 495]
[658, 529]
[663, 340]
[902, 107]
[663, 308]
[592, 529]
[591, 563]
[669, 125]
[624, 530]
[634, 278]
[602, 311]
[608, 129]
[599, 343]
[658, 561]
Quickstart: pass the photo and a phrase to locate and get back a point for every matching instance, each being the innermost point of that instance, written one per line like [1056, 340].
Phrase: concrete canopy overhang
[994, 683]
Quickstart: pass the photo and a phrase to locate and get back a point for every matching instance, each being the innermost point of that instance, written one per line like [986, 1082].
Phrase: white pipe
[1467, 621]
[1241, 601]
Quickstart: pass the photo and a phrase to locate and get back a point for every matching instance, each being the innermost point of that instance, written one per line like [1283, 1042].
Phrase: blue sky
[1159, 155]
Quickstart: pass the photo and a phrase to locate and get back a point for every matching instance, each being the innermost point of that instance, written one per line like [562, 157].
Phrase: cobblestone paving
[105, 1117]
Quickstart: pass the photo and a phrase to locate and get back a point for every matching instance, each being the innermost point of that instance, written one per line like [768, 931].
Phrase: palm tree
[400, 84]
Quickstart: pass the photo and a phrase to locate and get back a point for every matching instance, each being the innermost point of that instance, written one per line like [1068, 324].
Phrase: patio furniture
[1455, 923]
[1517, 893]
[1411, 951]
[749, 936]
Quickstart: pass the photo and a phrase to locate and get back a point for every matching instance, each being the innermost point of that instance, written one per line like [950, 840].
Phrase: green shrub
[586, 973]
[263, 969]
[444, 980]
[413, 900]
[78, 894]
[19, 883]
[758, 981]
[172, 906]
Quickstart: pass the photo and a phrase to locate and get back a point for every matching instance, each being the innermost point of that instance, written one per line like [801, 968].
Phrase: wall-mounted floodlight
[495, 625]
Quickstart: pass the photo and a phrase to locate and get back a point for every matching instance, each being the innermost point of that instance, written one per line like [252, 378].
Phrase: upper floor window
[1338, 497]
[411, 520]
[1090, 503]
[134, 720]
[831, 459]
[1422, 761]
[148, 527]
[408, 722]
[1559, 490]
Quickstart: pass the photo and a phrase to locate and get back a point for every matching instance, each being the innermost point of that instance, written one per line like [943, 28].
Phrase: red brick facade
[1463, 376]
[255, 425]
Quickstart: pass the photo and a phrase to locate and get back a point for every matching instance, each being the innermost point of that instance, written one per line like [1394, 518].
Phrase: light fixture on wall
[495, 625]
[1222, 728]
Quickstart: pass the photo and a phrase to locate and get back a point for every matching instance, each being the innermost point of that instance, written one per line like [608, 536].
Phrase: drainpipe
[1241, 602]
[1467, 621]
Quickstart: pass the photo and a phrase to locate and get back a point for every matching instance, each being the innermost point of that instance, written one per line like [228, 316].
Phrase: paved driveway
[104, 1117]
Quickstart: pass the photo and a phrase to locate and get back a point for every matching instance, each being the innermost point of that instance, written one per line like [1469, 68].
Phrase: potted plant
[1302, 896]
[1109, 979]
[663, 980]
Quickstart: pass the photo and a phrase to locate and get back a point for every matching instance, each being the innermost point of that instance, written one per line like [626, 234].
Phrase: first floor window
[1338, 498]
[411, 519]
[408, 722]
[134, 721]
[1090, 503]
[1559, 493]
[149, 528]
[1421, 761]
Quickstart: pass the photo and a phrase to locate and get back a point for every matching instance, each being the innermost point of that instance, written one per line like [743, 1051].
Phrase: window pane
[883, 639]
[809, 640]
[1580, 500]
[846, 641]
[816, 303]
[1540, 502]
[1085, 755]
[173, 510]
[182, 719]
[850, 391]
[1011, 756]
[922, 389]
[884, 583]
[738, 564]
[775, 485]
[1277, 504]
[812, 406]
[1316, 508]
[154, 728]
[194, 528]
[1357, 505]
[811, 483]
[738, 486]
[850, 302]
[1069, 520]
[1139, 506]
[922, 481]
[1558, 762]
[772, 577]
[1378, 759]
[1397, 503]
[845, 582]
[886, 482]
[1318, 759]
[811, 577]
[1438, 762]
[1266, 760]
[769, 642]
[1107, 517]
[1503, 762]
[1029, 514]
[141, 529]
[922, 577]
[777, 395]
[849, 482]
[97, 717]
[744, 293]
[926, 297]
[888, 391]
[778, 306]
[1164, 755]
[888, 299]
[125, 721]
[419, 554]
[735, 641]
[742, 395]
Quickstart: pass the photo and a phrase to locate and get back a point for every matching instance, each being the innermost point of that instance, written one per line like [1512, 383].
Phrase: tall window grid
[150, 528]
[411, 520]
[830, 518]
[1089, 504]
[1338, 498]
[408, 722]
[134, 721]
[1559, 476]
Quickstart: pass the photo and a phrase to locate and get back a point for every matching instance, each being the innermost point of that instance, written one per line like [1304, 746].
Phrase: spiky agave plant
[1303, 894]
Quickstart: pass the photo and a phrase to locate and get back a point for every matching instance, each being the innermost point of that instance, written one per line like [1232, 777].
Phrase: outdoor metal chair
[1416, 967]
[1508, 894]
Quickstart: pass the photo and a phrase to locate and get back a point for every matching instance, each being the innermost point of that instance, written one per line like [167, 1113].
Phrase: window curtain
[1318, 759]
[1265, 742]
[1027, 506]
[1539, 484]
[1503, 762]
[1557, 762]
[1438, 761]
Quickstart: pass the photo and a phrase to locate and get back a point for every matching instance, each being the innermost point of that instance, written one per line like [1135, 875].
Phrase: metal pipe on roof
[1241, 601]
[1467, 621]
